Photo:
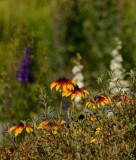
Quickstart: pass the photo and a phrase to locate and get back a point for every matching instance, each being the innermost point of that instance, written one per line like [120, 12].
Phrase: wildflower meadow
[67, 80]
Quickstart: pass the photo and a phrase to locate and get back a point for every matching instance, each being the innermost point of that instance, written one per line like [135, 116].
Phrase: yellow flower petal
[29, 129]
[55, 130]
[98, 130]
[18, 130]
[86, 91]
[81, 95]
[73, 96]
[64, 88]
[73, 81]
[70, 87]
[93, 140]
[58, 86]
[11, 129]
[53, 85]
[63, 122]
[42, 125]
[93, 118]
[66, 94]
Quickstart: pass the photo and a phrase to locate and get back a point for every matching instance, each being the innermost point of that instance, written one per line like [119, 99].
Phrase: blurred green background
[58, 30]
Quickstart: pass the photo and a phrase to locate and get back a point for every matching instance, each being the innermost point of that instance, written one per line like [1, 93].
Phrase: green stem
[60, 109]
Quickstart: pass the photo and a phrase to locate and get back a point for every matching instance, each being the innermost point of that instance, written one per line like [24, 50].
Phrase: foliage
[104, 130]
[55, 32]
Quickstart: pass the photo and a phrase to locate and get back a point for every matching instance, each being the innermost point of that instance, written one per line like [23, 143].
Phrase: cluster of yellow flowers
[17, 129]
[70, 88]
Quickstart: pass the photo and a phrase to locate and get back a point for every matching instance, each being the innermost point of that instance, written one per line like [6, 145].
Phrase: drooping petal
[63, 122]
[73, 82]
[66, 93]
[53, 85]
[81, 95]
[58, 86]
[88, 104]
[64, 88]
[55, 130]
[73, 96]
[93, 118]
[11, 129]
[85, 91]
[98, 130]
[29, 129]
[44, 124]
[18, 130]
[70, 87]
[93, 140]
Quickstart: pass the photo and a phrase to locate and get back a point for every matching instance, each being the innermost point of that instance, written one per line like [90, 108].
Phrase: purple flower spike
[27, 50]
[25, 73]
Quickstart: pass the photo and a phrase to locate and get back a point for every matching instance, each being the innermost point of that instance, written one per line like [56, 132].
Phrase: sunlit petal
[63, 122]
[58, 86]
[81, 95]
[86, 92]
[93, 140]
[66, 93]
[11, 129]
[70, 87]
[73, 81]
[29, 129]
[73, 96]
[53, 85]
[18, 130]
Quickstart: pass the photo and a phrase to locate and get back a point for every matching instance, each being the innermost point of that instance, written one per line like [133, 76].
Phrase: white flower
[118, 58]
[80, 84]
[118, 73]
[77, 68]
[114, 52]
[110, 114]
[78, 77]
[77, 99]
[117, 83]
[114, 65]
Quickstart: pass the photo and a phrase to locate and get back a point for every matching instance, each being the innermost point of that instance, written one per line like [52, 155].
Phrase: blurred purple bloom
[65, 118]
[6, 129]
[25, 73]
[27, 50]
[64, 105]
[26, 62]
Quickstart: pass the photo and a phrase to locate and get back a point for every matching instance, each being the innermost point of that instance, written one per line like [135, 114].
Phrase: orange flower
[100, 100]
[89, 102]
[45, 125]
[29, 128]
[118, 100]
[64, 83]
[93, 118]
[19, 128]
[76, 91]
